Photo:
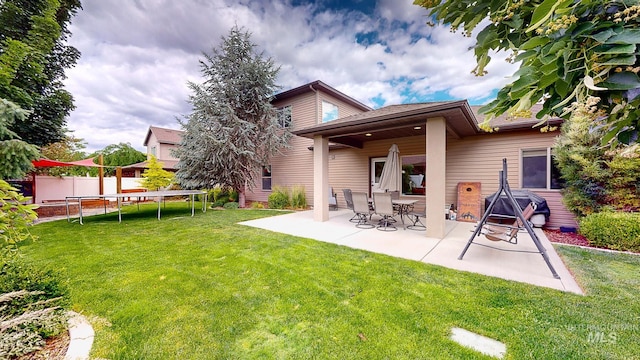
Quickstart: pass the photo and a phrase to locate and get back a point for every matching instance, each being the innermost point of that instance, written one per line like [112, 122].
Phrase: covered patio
[506, 261]
[433, 121]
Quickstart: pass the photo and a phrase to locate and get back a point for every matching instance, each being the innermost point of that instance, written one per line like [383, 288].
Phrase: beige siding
[479, 159]
[295, 165]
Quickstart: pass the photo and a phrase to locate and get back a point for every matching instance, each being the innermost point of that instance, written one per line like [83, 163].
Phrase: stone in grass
[479, 343]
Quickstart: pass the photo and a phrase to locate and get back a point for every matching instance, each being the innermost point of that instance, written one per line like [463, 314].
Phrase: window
[329, 111]
[413, 174]
[153, 151]
[266, 177]
[284, 116]
[539, 170]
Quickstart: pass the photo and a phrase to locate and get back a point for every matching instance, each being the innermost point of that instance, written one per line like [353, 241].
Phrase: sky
[139, 55]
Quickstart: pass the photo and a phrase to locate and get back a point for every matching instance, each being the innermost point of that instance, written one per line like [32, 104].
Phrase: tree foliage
[569, 50]
[121, 154]
[596, 177]
[232, 130]
[69, 149]
[155, 177]
[15, 154]
[33, 57]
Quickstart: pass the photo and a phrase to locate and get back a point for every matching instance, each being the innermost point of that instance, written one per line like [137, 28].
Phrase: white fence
[50, 188]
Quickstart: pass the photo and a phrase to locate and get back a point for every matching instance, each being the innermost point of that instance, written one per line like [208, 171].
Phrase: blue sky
[137, 56]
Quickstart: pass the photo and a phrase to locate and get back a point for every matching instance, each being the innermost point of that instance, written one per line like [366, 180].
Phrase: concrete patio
[414, 245]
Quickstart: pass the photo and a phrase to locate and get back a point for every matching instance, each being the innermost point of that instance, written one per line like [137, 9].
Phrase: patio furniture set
[386, 205]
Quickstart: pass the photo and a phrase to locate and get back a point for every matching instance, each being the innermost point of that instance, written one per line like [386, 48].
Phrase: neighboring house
[159, 142]
[342, 143]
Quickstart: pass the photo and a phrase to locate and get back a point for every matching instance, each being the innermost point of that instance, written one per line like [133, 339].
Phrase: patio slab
[506, 261]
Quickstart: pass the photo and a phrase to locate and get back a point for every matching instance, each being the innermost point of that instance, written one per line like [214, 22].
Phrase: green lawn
[207, 288]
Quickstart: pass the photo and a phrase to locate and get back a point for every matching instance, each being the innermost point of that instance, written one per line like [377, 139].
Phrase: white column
[321, 178]
[435, 176]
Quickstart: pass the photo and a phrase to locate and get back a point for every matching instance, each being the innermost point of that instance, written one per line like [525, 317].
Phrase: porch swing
[510, 231]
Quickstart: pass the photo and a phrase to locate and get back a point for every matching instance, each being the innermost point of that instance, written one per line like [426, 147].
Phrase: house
[342, 143]
[159, 142]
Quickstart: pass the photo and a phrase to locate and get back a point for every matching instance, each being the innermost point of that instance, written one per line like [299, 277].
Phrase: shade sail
[391, 177]
[51, 163]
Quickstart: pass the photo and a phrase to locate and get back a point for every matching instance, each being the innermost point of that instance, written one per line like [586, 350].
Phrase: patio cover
[391, 177]
[51, 163]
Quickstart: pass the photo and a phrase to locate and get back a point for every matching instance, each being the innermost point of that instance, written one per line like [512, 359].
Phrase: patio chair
[415, 217]
[333, 199]
[361, 210]
[508, 232]
[384, 207]
[349, 200]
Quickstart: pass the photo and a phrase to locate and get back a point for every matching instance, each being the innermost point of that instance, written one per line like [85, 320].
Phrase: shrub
[612, 230]
[257, 205]
[217, 204]
[298, 197]
[31, 301]
[15, 217]
[279, 198]
[231, 205]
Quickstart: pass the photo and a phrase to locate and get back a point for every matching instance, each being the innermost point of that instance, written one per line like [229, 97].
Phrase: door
[377, 164]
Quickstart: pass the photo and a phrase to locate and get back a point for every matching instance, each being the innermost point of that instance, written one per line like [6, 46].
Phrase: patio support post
[321, 178]
[436, 130]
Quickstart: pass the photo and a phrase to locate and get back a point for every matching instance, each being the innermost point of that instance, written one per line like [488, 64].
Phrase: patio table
[404, 206]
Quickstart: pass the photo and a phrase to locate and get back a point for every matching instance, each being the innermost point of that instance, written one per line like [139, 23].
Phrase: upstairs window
[539, 170]
[284, 116]
[329, 111]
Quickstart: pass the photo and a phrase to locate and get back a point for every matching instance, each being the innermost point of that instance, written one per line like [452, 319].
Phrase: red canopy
[50, 163]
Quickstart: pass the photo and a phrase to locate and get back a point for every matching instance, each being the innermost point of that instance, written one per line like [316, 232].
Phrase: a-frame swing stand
[504, 189]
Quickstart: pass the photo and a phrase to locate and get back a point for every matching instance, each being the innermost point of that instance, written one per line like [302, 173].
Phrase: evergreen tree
[232, 130]
[155, 177]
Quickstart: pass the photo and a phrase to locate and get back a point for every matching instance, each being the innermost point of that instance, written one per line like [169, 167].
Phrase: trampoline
[160, 195]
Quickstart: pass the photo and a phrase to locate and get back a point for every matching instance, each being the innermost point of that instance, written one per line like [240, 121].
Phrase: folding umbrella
[391, 177]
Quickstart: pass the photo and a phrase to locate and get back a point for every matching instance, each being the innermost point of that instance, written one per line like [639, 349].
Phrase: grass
[207, 288]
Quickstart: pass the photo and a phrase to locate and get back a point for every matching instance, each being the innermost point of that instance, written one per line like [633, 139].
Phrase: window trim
[263, 177]
[549, 159]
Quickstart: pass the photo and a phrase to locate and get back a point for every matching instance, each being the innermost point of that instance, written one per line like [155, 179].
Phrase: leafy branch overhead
[569, 51]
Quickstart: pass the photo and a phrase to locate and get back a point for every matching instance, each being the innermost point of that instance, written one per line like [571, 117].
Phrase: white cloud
[137, 57]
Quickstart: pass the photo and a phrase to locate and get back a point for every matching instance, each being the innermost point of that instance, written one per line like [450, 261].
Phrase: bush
[257, 205]
[298, 197]
[279, 198]
[231, 205]
[612, 230]
[217, 204]
[31, 301]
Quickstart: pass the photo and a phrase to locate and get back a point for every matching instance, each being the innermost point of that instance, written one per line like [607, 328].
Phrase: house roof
[166, 164]
[395, 121]
[319, 85]
[408, 119]
[506, 123]
[164, 136]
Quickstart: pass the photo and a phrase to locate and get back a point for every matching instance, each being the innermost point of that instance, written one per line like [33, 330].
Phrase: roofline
[146, 139]
[319, 85]
[330, 127]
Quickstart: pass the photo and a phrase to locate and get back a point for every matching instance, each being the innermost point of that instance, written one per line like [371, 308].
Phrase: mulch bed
[55, 349]
[571, 238]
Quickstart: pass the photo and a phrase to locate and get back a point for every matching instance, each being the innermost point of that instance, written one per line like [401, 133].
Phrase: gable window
[266, 177]
[284, 116]
[539, 170]
[153, 151]
[329, 111]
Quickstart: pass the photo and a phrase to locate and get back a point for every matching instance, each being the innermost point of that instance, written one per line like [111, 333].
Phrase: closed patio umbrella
[391, 177]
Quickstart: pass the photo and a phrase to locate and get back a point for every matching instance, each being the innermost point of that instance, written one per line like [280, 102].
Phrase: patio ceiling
[395, 121]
